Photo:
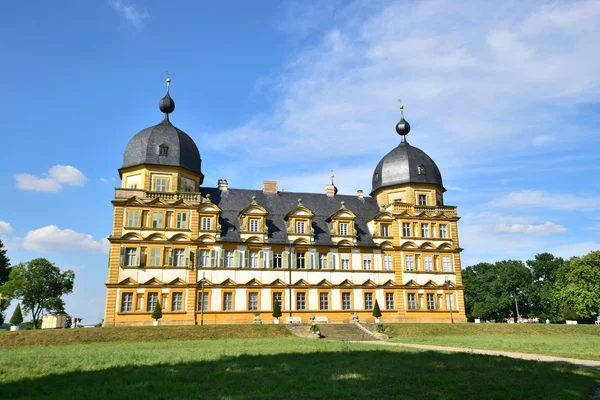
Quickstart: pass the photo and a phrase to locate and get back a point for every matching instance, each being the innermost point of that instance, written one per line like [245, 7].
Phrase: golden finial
[332, 177]
[343, 202]
[299, 201]
[401, 107]
[168, 80]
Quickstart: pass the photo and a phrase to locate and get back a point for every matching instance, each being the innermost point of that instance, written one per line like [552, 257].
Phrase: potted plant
[276, 312]
[16, 319]
[157, 313]
[377, 312]
[314, 329]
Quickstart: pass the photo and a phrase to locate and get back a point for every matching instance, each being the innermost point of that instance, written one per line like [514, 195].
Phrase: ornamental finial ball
[401, 106]
[168, 80]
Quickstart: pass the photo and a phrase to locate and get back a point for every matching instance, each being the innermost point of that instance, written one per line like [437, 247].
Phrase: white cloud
[544, 140]
[130, 12]
[575, 249]
[541, 199]
[5, 228]
[51, 238]
[543, 229]
[52, 181]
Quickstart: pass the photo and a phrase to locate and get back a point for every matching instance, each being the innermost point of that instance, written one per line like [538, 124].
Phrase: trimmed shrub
[17, 317]
[376, 310]
[276, 310]
[157, 313]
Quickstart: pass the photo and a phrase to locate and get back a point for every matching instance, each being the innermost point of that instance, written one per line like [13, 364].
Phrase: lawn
[574, 341]
[281, 367]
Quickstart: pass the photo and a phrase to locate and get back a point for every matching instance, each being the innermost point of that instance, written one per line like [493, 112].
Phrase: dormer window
[422, 200]
[300, 225]
[343, 229]
[421, 169]
[385, 230]
[253, 225]
[163, 150]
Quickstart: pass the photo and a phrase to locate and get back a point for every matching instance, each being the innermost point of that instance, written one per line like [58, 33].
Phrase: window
[126, 302]
[343, 229]
[422, 200]
[389, 301]
[412, 301]
[300, 227]
[409, 261]
[163, 150]
[227, 301]
[421, 169]
[177, 303]
[157, 220]
[151, 303]
[204, 258]
[376, 177]
[425, 230]
[368, 301]
[155, 259]
[446, 264]
[181, 220]
[387, 262]
[254, 259]
[130, 257]
[367, 262]
[160, 185]
[229, 258]
[253, 301]
[322, 260]
[179, 257]
[406, 229]
[206, 223]
[277, 297]
[253, 225]
[165, 301]
[203, 301]
[346, 301]
[277, 260]
[133, 218]
[300, 301]
[323, 301]
[427, 260]
[430, 301]
[385, 230]
[443, 231]
[345, 258]
[449, 302]
[300, 260]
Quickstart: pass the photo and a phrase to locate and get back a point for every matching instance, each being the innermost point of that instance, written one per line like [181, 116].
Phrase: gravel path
[510, 354]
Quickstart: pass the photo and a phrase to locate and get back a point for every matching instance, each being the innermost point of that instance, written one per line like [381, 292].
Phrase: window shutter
[221, 258]
[285, 256]
[122, 256]
[235, 258]
[197, 258]
[246, 258]
[310, 260]
[137, 257]
[261, 257]
[213, 258]
[292, 258]
[270, 263]
[170, 257]
[144, 258]
[187, 257]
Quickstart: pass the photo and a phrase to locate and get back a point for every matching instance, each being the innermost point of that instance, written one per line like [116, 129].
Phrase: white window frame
[203, 301]
[300, 260]
[343, 229]
[252, 301]
[409, 262]
[253, 262]
[181, 220]
[446, 264]
[425, 230]
[179, 257]
[345, 261]
[127, 302]
[428, 263]
[277, 260]
[322, 260]
[324, 301]
[227, 301]
[387, 262]
[206, 223]
[389, 301]
[443, 231]
[301, 301]
[430, 301]
[204, 258]
[253, 224]
[346, 301]
[158, 222]
[151, 301]
[422, 199]
[385, 230]
[300, 227]
[177, 302]
[368, 301]
[161, 184]
[367, 262]
[229, 258]
[449, 302]
[412, 301]
[130, 256]
[406, 229]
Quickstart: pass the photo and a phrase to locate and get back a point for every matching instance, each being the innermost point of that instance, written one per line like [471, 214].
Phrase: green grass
[574, 341]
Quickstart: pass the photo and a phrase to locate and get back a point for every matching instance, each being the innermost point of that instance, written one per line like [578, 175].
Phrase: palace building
[220, 255]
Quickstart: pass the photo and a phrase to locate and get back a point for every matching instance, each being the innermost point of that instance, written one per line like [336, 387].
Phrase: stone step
[343, 332]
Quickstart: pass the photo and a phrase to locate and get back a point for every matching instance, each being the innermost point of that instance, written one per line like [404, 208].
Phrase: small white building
[54, 320]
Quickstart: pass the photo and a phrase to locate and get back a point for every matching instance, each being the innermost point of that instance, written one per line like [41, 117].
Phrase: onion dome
[405, 164]
[163, 144]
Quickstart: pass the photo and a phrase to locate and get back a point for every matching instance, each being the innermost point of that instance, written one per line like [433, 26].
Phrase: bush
[157, 313]
[376, 310]
[314, 328]
[276, 310]
[380, 328]
[17, 317]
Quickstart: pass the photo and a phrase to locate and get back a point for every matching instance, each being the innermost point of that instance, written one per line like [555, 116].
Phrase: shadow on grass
[320, 375]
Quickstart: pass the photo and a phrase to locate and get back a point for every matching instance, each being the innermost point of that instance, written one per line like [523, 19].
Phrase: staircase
[348, 332]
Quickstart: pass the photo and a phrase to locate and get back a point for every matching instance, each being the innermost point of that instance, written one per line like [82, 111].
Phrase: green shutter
[285, 256]
[246, 258]
[261, 257]
[137, 256]
[197, 258]
[122, 256]
[213, 258]
[186, 257]
[221, 258]
[310, 260]
[170, 257]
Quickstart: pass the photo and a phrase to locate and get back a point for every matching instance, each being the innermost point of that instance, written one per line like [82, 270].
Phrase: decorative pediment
[411, 283]
[450, 284]
[157, 201]
[132, 236]
[207, 239]
[156, 236]
[180, 202]
[180, 237]
[345, 243]
[253, 282]
[299, 211]
[181, 282]
[386, 245]
[431, 284]
[368, 282]
[383, 216]
[228, 282]
[153, 282]
[325, 282]
[343, 213]
[445, 246]
[128, 282]
[408, 245]
[347, 283]
[301, 282]
[389, 283]
[133, 201]
[253, 209]
[209, 208]
[278, 282]
[428, 245]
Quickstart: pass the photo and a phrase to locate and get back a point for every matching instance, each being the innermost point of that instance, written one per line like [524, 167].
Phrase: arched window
[421, 169]
[163, 150]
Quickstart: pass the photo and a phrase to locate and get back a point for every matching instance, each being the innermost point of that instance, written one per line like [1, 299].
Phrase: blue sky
[505, 98]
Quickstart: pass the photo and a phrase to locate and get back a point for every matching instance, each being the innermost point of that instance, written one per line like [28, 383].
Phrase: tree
[157, 312]
[39, 284]
[376, 310]
[578, 285]
[544, 269]
[514, 283]
[17, 317]
[4, 271]
[276, 309]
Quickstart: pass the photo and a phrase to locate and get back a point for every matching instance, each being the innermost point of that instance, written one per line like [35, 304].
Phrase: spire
[167, 104]
[335, 189]
[402, 127]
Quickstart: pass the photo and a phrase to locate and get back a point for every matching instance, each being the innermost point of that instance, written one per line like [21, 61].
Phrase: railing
[144, 194]
[449, 210]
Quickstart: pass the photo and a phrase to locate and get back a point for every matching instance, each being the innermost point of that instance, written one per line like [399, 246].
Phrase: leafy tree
[39, 284]
[157, 312]
[17, 317]
[544, 270]
[578, 285]
[514, 283]
[4, 271]
[569, 313]
[276, 309]
[376, 310]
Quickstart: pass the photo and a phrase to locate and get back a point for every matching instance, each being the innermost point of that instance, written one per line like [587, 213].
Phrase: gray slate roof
[401, 165]
[182, 151]
[279, 205]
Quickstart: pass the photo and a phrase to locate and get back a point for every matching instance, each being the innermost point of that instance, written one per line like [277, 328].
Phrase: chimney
[269, 187]
[330, 190]
[360, 194]
[223, 185]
